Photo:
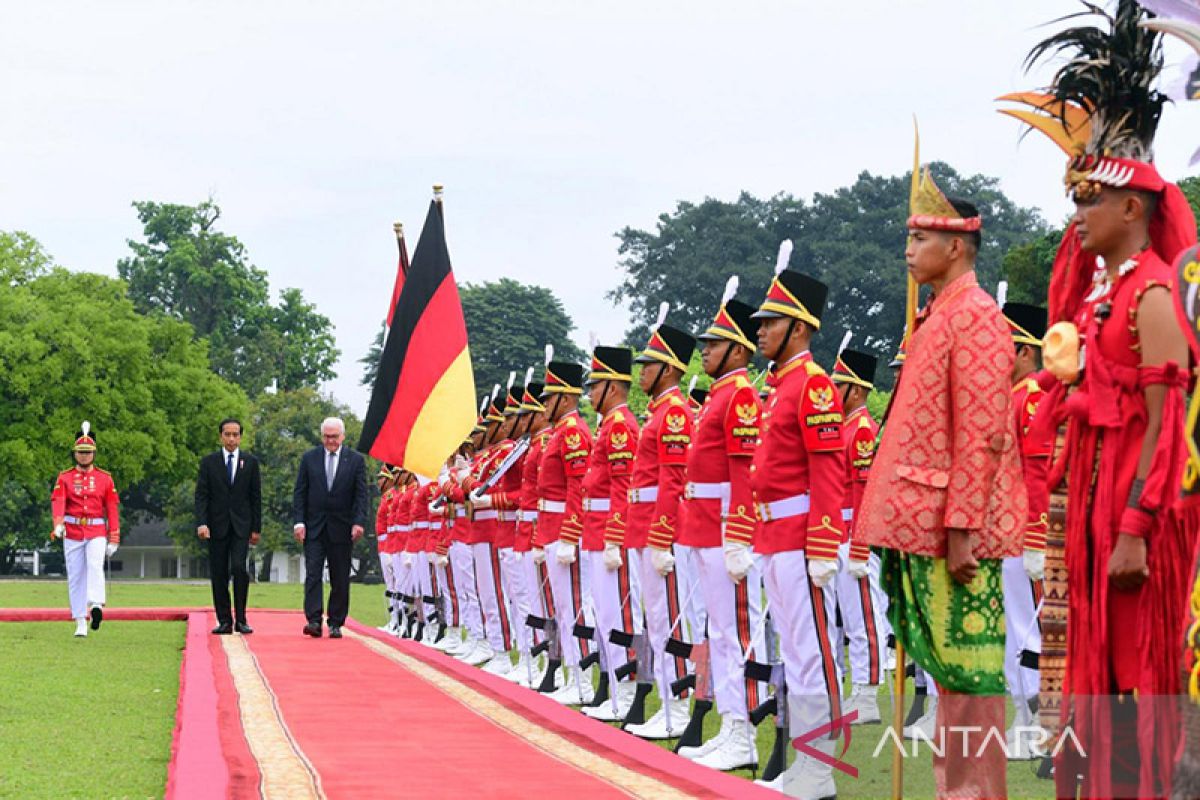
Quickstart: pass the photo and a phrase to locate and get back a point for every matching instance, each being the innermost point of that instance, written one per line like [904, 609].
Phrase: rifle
[638, 643]
[550, 643]
[509, 460]
[771, 672]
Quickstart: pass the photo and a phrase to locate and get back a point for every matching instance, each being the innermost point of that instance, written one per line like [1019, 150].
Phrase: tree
[21, 258]
[284, 425]
[852, 240]
[188, 270]
[370, 361]
[72, 347]
[509, 325]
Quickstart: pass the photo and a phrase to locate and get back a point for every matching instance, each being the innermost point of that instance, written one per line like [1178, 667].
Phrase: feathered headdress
[1180, 18]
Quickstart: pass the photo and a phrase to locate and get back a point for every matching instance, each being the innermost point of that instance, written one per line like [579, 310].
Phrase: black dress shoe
[313, 629]
[242, 628]
[224, 629]
[335, 632]
[97, 617]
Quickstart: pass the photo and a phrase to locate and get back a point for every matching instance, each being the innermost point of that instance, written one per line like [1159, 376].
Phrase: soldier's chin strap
[603, 397]
[783, 342]
[653, 393]
[721, 364]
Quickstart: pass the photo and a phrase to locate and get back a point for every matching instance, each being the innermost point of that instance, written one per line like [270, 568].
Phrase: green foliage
[370, 361]
[509, 325]
[1191, 190]
[1027, 266]
[187, 270]
[852, 239]
[72, 347]
[21, 258]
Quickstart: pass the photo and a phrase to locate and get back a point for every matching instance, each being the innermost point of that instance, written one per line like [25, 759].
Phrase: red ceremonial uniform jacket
[1035, 460]
[861, 432]
[669, 429]
[91, 499]
[723, 446]
[802, 453]
[437, 521]
[948, 457]
[528, 513]
[483, 521]
[607, 479]
[418, 512]
[560, 480]
[456, 506]
[506, 498]
[399, 521]
[382, 522]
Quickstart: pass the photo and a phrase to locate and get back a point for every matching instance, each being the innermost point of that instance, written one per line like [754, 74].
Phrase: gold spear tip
[437, 191]
[398, 227]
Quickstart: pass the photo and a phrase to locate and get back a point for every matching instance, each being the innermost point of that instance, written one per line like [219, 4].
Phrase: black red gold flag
[401, 271]
[423, 401]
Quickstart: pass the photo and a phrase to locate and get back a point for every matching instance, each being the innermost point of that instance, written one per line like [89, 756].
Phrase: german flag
[401, 271]
[423, 401]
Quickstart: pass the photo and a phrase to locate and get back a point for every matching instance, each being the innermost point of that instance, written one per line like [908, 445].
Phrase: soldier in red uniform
[857, 584]
[719, 529]
[615, 595]
[84, 507]
[560, 519]
[656, 488]
[799, 480]
[1023, 575]
[386, 480]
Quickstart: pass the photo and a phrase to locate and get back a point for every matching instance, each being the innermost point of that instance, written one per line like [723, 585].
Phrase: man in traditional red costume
[945, 495]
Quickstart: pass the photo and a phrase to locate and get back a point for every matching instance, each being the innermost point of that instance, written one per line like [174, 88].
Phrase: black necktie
[229, 467]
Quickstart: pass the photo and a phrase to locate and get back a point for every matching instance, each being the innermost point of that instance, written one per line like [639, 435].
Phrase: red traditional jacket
[860, 431]
[528, 513]
[660, 472]
[87, 501]
[718, 465]
[948, 456]
[506, 497]
[800, 463]
[383, 524]
[606, 485]
[1036, 449]
[560, 480]
[484, 527]
[418, 511]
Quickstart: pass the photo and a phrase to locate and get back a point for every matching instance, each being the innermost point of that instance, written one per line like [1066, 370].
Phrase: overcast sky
[551, 124]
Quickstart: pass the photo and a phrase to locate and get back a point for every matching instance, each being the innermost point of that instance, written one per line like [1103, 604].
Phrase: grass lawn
[112, 697]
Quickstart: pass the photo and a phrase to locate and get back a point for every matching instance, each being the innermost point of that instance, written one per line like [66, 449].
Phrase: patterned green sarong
[954, 631]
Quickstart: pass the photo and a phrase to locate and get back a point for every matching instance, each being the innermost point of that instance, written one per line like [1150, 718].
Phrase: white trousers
[572, 603]
[462, 564]
[1020, 622]
[488, 580]
[804, 618]
[612, 598]
[862, 619]
[515, 589]
[661, 600]
[694, 612]
[85, 573]
[387, 569]
[735, 631]
[537, 592]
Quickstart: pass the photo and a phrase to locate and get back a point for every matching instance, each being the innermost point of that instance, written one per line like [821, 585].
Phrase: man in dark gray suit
[229, 518]
[329, 508]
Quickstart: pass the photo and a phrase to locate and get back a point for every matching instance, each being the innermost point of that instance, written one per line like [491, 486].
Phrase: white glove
[612, 557]
[443, 476]
[538, 555]
[60, 531]
[822, 571]
[482, 501]
[443, 561]
[662, 561]
[565, 554]
[461, 463]
[738, 561]
[407, 560]
[1035, 564]
[110, 549]
[857, 569]
[462, 473]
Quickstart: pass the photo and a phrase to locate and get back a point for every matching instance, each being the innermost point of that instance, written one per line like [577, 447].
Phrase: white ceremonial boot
[809, 778]
[479, 655]
[624, 693]
[1020, 738]
[926, 726]
[460, 647]
[576, 691]
[707, 747]
[81, 627]
[452, 639]
[864, 699]
[656, 727]
[736, 751]
[519, 674]
[499, 664]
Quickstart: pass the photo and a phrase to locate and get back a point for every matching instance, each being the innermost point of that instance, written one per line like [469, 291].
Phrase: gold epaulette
[813, 369]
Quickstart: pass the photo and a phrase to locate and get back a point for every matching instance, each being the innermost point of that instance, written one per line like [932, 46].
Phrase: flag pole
[398, 229]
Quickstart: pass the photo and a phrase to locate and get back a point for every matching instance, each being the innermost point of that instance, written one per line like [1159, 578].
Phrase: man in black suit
[229, 518]
[329, 507]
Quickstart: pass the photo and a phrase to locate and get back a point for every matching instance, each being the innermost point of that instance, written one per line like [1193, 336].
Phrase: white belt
[485, 515]
[646, 494]
[381, 537]
[420, 526]
[552, 506]
[596, 504]
[847, 514]
[85, 520]
[782, 509]
[706, 491]
[529, 515]
[460, 512]
[404, 528]
[435, 526]
[508, 516]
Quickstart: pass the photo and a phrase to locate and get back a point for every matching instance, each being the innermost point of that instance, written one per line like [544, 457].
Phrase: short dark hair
[226, 421]
[966, 209]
